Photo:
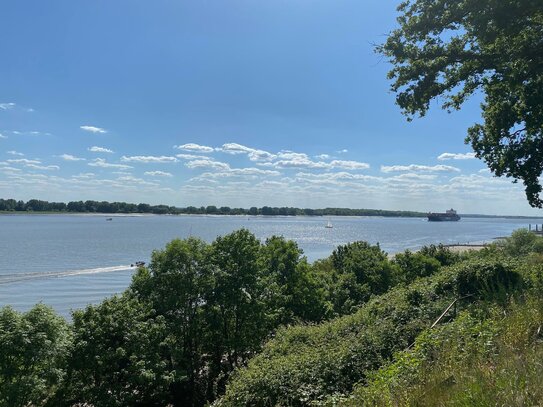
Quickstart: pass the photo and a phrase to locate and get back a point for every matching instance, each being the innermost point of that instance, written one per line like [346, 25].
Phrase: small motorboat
[109, 218]
[138, 264]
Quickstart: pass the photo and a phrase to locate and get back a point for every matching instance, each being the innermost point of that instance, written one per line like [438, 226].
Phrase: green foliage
[292, 289]
[202, 311]
[480, 359]
[522, 242]
[441, 253]
[308, 364]
[450, 50]
[415, 265]
[117, 357]
[361, 270]
[33, 351]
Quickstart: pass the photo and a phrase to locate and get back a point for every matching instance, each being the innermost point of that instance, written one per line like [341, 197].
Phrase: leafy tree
[441, 253]
[523, 242]
[362, 270]
[118, 356]
[414, 265]
[176, 286]
[451, 49]
[33, 352]
[293, 292]
[235, 306]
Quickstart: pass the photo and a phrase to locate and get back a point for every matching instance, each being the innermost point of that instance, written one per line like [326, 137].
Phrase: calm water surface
[69, 261]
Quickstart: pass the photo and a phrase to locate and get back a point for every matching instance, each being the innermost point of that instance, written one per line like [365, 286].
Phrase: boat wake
[17, 277]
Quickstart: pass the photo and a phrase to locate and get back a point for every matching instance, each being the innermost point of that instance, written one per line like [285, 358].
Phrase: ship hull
[443, 218]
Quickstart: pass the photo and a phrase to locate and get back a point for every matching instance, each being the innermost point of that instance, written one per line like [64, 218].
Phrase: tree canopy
[454, 49]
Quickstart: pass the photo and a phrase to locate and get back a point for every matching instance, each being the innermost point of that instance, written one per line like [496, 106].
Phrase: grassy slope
[307, 365]
[485, 358]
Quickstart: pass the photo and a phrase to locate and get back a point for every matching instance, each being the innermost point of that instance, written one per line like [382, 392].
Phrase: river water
[69, 261]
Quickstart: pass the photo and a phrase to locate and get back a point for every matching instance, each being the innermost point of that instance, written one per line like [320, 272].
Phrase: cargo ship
[448, 216]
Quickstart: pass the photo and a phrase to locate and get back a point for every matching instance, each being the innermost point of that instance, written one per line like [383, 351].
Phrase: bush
[480, 359]
[307, 364]
[33, 353]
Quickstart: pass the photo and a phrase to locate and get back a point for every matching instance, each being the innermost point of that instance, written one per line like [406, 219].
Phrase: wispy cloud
[93, 129]
[195, 148]
[456, 156]
[253, 153]
[323, 156]
[43, 167]
[102, 163]
[418, 168]
[30, 133]
[291, 159]
[7, 106]
[349, 165]
[158, 174]
[96, 149]
[2, 136]
[11, 105]
[23, 161]
[13, 152]
[217, 165]
[148, 159]
[191, 157]
[69, 157]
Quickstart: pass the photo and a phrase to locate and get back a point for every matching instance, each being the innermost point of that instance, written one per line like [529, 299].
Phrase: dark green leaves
[452, 49]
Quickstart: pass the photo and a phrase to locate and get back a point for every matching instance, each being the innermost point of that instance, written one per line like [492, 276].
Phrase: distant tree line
[36, 205]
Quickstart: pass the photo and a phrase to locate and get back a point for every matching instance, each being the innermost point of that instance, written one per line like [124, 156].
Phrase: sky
[229, 102]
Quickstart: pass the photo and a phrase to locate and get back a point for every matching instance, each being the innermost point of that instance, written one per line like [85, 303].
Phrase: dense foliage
[450, 50]
[33, 355]
[242, 322]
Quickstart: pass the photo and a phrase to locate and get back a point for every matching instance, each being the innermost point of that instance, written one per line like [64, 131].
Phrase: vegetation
[239, 322]
[449, 50]
[36, 205]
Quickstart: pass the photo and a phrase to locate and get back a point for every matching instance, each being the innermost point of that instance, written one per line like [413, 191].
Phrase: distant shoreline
[137, 215]
[105, 208]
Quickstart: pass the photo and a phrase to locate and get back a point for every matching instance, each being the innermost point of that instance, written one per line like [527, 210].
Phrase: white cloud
[85, 175]
[96, 149]
[323, 156]
[216, 165]
[13, 152]
[252, 153]
[102, 163]
[456, 156]
[2, 136]
[148, 159]
[7, 106]
[413, 176]
[192, 157]
[69, 157]
[93, 129]
[30, 133]
[421, 168]
[158, 174]
[196, 148]
[301, 160]
[349, 165]
[334, 176]
[343, 151]
[43, 167]
[9, 169]
[23, 161]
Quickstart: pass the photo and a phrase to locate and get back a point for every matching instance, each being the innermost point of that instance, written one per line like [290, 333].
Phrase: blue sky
[238, 103]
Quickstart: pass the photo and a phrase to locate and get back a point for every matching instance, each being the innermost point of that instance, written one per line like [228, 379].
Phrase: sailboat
[329, 225]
